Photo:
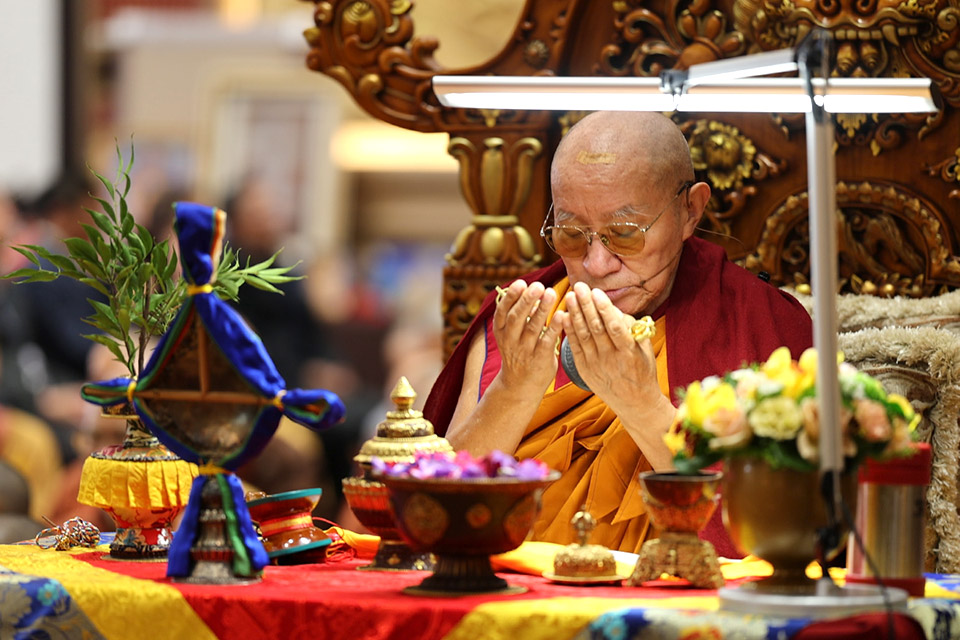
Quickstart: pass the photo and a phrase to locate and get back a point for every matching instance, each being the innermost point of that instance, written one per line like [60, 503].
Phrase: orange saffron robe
[575, 433]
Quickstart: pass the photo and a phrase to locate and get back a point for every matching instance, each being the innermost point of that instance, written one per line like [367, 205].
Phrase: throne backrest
[898, 174]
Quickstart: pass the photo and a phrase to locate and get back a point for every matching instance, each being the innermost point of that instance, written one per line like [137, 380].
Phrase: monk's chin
[637, 302]
[633, 302]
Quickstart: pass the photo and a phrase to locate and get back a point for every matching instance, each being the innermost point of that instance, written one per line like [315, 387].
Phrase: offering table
[80, 593]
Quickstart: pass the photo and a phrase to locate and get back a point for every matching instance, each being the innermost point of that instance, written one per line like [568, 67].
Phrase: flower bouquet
[763, 422]
[770, 412]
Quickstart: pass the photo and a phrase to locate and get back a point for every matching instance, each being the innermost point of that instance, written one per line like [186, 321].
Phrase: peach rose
[872, 418]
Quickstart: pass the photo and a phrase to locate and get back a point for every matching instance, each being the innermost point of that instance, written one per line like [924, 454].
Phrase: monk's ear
[696, 201]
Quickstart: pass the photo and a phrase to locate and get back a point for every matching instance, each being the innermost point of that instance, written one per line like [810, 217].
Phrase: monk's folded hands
[525, 340]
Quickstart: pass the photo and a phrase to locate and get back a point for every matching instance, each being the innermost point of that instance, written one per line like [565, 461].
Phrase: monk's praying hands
[616, 366]
[525, 340]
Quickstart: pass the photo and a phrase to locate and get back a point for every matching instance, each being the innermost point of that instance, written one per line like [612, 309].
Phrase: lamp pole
[822, 212]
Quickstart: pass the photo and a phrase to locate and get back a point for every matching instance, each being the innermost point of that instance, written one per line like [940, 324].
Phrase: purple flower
[462, 465]
[531, 469]
[378, 465]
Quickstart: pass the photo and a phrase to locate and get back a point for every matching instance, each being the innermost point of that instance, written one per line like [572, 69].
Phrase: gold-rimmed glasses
[619, 238]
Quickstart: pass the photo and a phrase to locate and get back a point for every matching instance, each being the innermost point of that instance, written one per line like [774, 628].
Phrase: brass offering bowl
[679, 505]
[286, 524]
[464, 522]
[404, 433]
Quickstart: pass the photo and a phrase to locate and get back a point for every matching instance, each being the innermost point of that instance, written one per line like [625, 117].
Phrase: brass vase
[775, 514]
[143, 487]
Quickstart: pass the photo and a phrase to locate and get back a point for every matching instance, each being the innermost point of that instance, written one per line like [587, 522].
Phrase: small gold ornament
[643, 329]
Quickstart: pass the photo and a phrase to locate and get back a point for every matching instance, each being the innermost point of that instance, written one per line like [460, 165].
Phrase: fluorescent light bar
[552, 93]
[779, 95]
[757, 64]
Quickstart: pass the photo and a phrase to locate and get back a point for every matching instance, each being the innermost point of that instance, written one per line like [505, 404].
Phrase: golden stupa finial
[403, 395]
[584, 524]
[404, 431]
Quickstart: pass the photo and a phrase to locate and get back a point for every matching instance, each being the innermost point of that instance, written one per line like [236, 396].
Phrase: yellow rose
[781, 369]
[674, 438]
[693, 400]
[723, 397]
[808, 368]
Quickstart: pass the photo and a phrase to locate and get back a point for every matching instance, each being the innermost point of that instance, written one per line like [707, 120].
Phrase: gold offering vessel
[679, 506]
[404, 433]
[581, 563]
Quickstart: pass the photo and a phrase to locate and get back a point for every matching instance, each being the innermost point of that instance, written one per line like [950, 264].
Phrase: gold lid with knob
[403, 433]
[582, 561]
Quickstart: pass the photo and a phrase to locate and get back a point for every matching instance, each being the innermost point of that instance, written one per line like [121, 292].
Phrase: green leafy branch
[136, 274]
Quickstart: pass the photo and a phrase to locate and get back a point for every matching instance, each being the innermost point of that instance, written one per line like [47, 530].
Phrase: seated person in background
[625, 207]
[15, 523]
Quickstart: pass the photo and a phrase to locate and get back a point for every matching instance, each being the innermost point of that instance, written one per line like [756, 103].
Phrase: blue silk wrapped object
[211, 393]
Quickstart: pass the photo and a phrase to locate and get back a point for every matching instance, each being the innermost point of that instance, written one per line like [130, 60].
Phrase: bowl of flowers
[763, 423]
[463, 510]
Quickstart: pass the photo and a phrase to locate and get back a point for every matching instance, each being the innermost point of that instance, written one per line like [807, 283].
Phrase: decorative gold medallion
[519, 519]
[425, 518]
[478, 516]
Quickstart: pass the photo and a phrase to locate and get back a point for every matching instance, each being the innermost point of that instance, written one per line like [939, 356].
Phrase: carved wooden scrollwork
[369, 47]
[891, 242]
[496, 177]
[948, 170]
[732, 164]
[899, 38]
[894, 238]
[648, 42]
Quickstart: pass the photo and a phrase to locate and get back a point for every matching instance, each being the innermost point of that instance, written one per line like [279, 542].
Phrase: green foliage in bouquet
[136, 274]
[770, 411]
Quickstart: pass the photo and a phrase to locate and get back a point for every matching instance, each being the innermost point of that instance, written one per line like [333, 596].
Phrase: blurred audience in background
[354, 325]
[16, 523]
[41, 323]
[307, 350]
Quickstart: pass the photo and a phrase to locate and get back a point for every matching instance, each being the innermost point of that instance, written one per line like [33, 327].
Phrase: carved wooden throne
[898, 174]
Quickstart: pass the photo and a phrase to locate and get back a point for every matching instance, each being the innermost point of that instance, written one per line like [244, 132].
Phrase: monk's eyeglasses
[623, 239]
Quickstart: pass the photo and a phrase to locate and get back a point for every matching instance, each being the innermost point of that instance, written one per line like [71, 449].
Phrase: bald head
[637, 145]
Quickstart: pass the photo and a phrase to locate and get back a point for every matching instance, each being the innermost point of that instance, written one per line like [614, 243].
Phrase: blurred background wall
[216, 99]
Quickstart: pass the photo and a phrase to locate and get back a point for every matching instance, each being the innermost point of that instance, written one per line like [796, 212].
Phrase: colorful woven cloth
[334, 601]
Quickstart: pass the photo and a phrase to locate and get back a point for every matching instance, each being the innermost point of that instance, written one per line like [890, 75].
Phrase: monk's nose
[599, 261]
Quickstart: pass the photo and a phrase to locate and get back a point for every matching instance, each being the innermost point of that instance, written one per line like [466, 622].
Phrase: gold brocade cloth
[95, 592]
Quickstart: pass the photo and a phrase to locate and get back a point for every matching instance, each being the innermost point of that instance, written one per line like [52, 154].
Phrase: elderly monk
[625, 207]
